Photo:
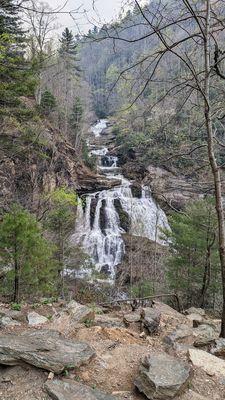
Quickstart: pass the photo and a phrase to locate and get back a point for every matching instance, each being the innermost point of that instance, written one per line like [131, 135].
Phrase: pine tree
[48, 102]
[193, 265]
[69, 49]
[76, 118]
[25, 252]
[14, 69]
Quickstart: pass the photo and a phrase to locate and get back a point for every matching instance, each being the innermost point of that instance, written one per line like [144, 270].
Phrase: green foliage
[143, 289]
[193, 265]
[75, 118]
[16, 307]
[47, 103]
[69, 51]
[60, 220]
[15, 72]
[89, 160]
[26, 253]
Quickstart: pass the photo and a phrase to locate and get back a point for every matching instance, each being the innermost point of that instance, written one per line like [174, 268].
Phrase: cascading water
[99, 225]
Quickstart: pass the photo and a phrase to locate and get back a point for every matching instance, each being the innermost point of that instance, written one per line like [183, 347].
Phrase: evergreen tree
[76, 118]
[25, 252]
[60, 220]
[69, 49]
[14, 70]
[193, 265]
[48, 102]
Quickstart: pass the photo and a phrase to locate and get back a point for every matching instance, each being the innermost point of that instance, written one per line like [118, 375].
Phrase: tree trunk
[16, 296]
[213, 162]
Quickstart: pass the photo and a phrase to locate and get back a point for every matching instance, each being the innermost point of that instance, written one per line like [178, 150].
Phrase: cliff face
[35, 158]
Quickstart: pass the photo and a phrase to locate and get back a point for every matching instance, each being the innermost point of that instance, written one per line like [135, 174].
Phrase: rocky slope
[86, 353]
[36, 158]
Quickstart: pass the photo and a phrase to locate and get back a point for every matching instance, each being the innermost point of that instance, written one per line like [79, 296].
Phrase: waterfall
[108, 214]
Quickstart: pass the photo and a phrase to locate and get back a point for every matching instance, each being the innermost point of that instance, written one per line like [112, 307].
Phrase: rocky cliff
[36, 158]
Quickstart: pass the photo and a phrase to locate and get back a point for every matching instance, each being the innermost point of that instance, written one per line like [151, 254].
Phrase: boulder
[182, 334]
[14, 314]
[209, 363]
[44, 349]
[70, 390]
[194, 310]
[218, 348]
[72, 317]
[8, 322]
[131, 318]
[36, 319]
[79, 313]
[162, 376]
[204, 335]
[195, 319]
[150, 319]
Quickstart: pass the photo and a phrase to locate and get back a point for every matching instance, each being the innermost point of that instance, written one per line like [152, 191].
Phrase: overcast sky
[106, 10]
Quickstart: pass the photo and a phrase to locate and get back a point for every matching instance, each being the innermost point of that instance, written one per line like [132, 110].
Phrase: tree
[60, 220]
[40, 19]
[24, 250]
[193, 266]
[68, 51]
[75, 120]
[14, 70]
[48, 102]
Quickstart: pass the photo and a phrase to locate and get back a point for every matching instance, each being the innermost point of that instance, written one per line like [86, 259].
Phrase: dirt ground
[119, 351]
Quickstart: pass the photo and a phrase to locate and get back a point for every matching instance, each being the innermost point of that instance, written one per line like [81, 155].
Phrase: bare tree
[41, 21]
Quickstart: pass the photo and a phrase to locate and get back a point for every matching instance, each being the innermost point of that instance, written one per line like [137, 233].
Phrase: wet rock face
[103, 219]
[70, 390]
[162, 377]
[136, 191]
[94, 202]
[123, 216]
[105, 270]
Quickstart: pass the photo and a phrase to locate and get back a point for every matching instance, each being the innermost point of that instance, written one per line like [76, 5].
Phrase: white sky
[106, 11]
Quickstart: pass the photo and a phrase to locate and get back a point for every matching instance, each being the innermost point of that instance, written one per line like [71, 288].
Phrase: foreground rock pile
[75, 352]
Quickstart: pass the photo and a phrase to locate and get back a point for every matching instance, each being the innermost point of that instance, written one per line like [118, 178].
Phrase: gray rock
[44, 349]
[132, 318]
[8, 322]
[36, 319]
[207, 362]
[107, 321]
[70, 390]
[204, 335]
[195, 319]
[79, 313]
[162, 377]
[218, 348]
[183, 334]
[194, 310]
[150, 319]
[17, 315]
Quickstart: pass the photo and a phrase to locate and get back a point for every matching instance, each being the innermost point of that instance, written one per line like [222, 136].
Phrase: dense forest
[157, 76]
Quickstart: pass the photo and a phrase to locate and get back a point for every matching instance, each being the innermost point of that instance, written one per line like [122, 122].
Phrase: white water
[103, 241]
